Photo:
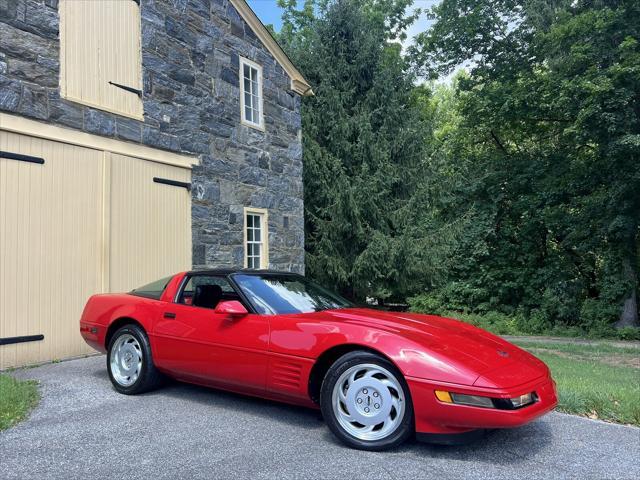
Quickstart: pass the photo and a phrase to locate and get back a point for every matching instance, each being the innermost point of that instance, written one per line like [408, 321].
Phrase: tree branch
[498, 143]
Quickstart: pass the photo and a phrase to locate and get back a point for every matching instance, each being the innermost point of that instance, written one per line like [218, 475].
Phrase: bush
[628, 333]
[596, 319]
[429, 303]
[597, 316]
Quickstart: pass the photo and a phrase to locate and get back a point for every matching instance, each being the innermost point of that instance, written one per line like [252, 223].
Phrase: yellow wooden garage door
[150, 222]
[50, 245]
[73, 222]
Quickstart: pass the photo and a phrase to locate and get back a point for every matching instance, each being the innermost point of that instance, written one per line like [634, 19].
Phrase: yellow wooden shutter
[100, 62]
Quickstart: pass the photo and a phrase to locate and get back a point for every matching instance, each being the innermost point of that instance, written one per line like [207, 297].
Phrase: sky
[269, 13]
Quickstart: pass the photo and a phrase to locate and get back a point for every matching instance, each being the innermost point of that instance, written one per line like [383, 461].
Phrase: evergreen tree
[363, 149]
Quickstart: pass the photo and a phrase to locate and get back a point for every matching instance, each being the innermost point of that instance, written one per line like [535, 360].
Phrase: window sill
[253, 125]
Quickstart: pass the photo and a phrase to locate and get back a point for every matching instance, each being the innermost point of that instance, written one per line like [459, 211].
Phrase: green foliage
[17, 398]
[517, 322]
[366, 231]
[544, 157]
[628, 333]
[511, 193]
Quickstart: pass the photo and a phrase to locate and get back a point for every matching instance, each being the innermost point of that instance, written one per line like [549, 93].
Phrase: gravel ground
[83, 428]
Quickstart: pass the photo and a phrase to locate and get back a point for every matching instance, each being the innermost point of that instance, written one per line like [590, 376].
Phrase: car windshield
[273, 294]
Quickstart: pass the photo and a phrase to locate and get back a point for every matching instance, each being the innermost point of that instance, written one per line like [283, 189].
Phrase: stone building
[137, 138]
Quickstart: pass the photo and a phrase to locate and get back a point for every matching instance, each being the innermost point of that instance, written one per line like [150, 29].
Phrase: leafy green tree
[363, 149]
[548, 143]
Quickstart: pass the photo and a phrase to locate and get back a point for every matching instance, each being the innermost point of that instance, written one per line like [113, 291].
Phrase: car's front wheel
[129, 362]
[366, 402]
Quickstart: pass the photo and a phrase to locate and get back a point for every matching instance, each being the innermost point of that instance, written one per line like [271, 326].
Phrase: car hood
[445, 349]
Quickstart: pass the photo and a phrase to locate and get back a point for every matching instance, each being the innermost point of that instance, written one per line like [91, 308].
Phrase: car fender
[303, 337]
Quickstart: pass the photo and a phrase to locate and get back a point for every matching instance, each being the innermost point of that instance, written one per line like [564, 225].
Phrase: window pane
[248, 114]
[189, 290]
[246, 71]
[247, 88]
[253, 247]
[154, 289]
[254, 75]
[256, 109]
[281, 294]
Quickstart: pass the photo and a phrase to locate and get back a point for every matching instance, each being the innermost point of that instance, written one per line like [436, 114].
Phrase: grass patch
[581, 349]
[598, 381]
[17, 398]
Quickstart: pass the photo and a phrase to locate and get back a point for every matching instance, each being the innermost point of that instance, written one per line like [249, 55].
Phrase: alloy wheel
[368, 402]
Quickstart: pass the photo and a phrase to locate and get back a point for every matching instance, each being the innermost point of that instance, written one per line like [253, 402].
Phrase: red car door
[192, 342]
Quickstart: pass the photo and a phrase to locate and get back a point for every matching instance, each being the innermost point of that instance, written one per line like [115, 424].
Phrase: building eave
[298, 82]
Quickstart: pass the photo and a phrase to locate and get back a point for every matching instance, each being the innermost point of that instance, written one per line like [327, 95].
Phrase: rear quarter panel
[104, 309]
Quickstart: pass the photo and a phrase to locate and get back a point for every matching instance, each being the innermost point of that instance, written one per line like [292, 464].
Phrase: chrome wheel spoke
[367, 429]
[352, 377]
[388, 383]
[395, 403]
[343, 396]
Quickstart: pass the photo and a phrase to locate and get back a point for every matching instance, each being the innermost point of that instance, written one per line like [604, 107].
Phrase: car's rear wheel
[366, 402]
[129, 361]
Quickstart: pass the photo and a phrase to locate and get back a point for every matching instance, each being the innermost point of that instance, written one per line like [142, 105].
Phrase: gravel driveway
[84, 429]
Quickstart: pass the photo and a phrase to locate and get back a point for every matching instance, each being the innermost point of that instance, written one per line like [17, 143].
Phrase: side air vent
[286, 375]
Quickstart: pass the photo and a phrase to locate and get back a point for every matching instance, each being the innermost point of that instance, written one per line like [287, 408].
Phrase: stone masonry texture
[190, 59]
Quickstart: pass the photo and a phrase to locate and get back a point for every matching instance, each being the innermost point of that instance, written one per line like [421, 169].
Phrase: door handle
[169, 315]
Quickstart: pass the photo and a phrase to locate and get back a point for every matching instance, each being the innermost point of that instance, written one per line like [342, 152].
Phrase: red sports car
[378, 377]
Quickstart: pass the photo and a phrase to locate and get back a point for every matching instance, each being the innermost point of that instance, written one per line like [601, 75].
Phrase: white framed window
[256, 238]
[251, 103]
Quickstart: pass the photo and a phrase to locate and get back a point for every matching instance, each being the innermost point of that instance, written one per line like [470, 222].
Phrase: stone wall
[190, 58]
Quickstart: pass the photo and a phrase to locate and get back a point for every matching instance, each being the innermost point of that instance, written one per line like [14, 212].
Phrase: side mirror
[231, 307]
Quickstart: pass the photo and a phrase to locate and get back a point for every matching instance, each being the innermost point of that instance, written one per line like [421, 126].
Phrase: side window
[152, 290]
[256, 238]
[251, 94]
[206, 291]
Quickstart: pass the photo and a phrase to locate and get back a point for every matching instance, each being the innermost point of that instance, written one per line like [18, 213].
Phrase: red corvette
[378, 377]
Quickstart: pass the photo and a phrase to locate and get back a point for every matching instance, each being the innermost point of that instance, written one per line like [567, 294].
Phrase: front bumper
[433, 416]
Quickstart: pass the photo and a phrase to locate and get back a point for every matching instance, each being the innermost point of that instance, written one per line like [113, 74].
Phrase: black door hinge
[128, 89]
[173, 183]
[26, 338]
[21, 158]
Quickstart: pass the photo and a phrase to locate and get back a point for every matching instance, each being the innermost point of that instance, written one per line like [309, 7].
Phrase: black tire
[149, 378]
[402, 432]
